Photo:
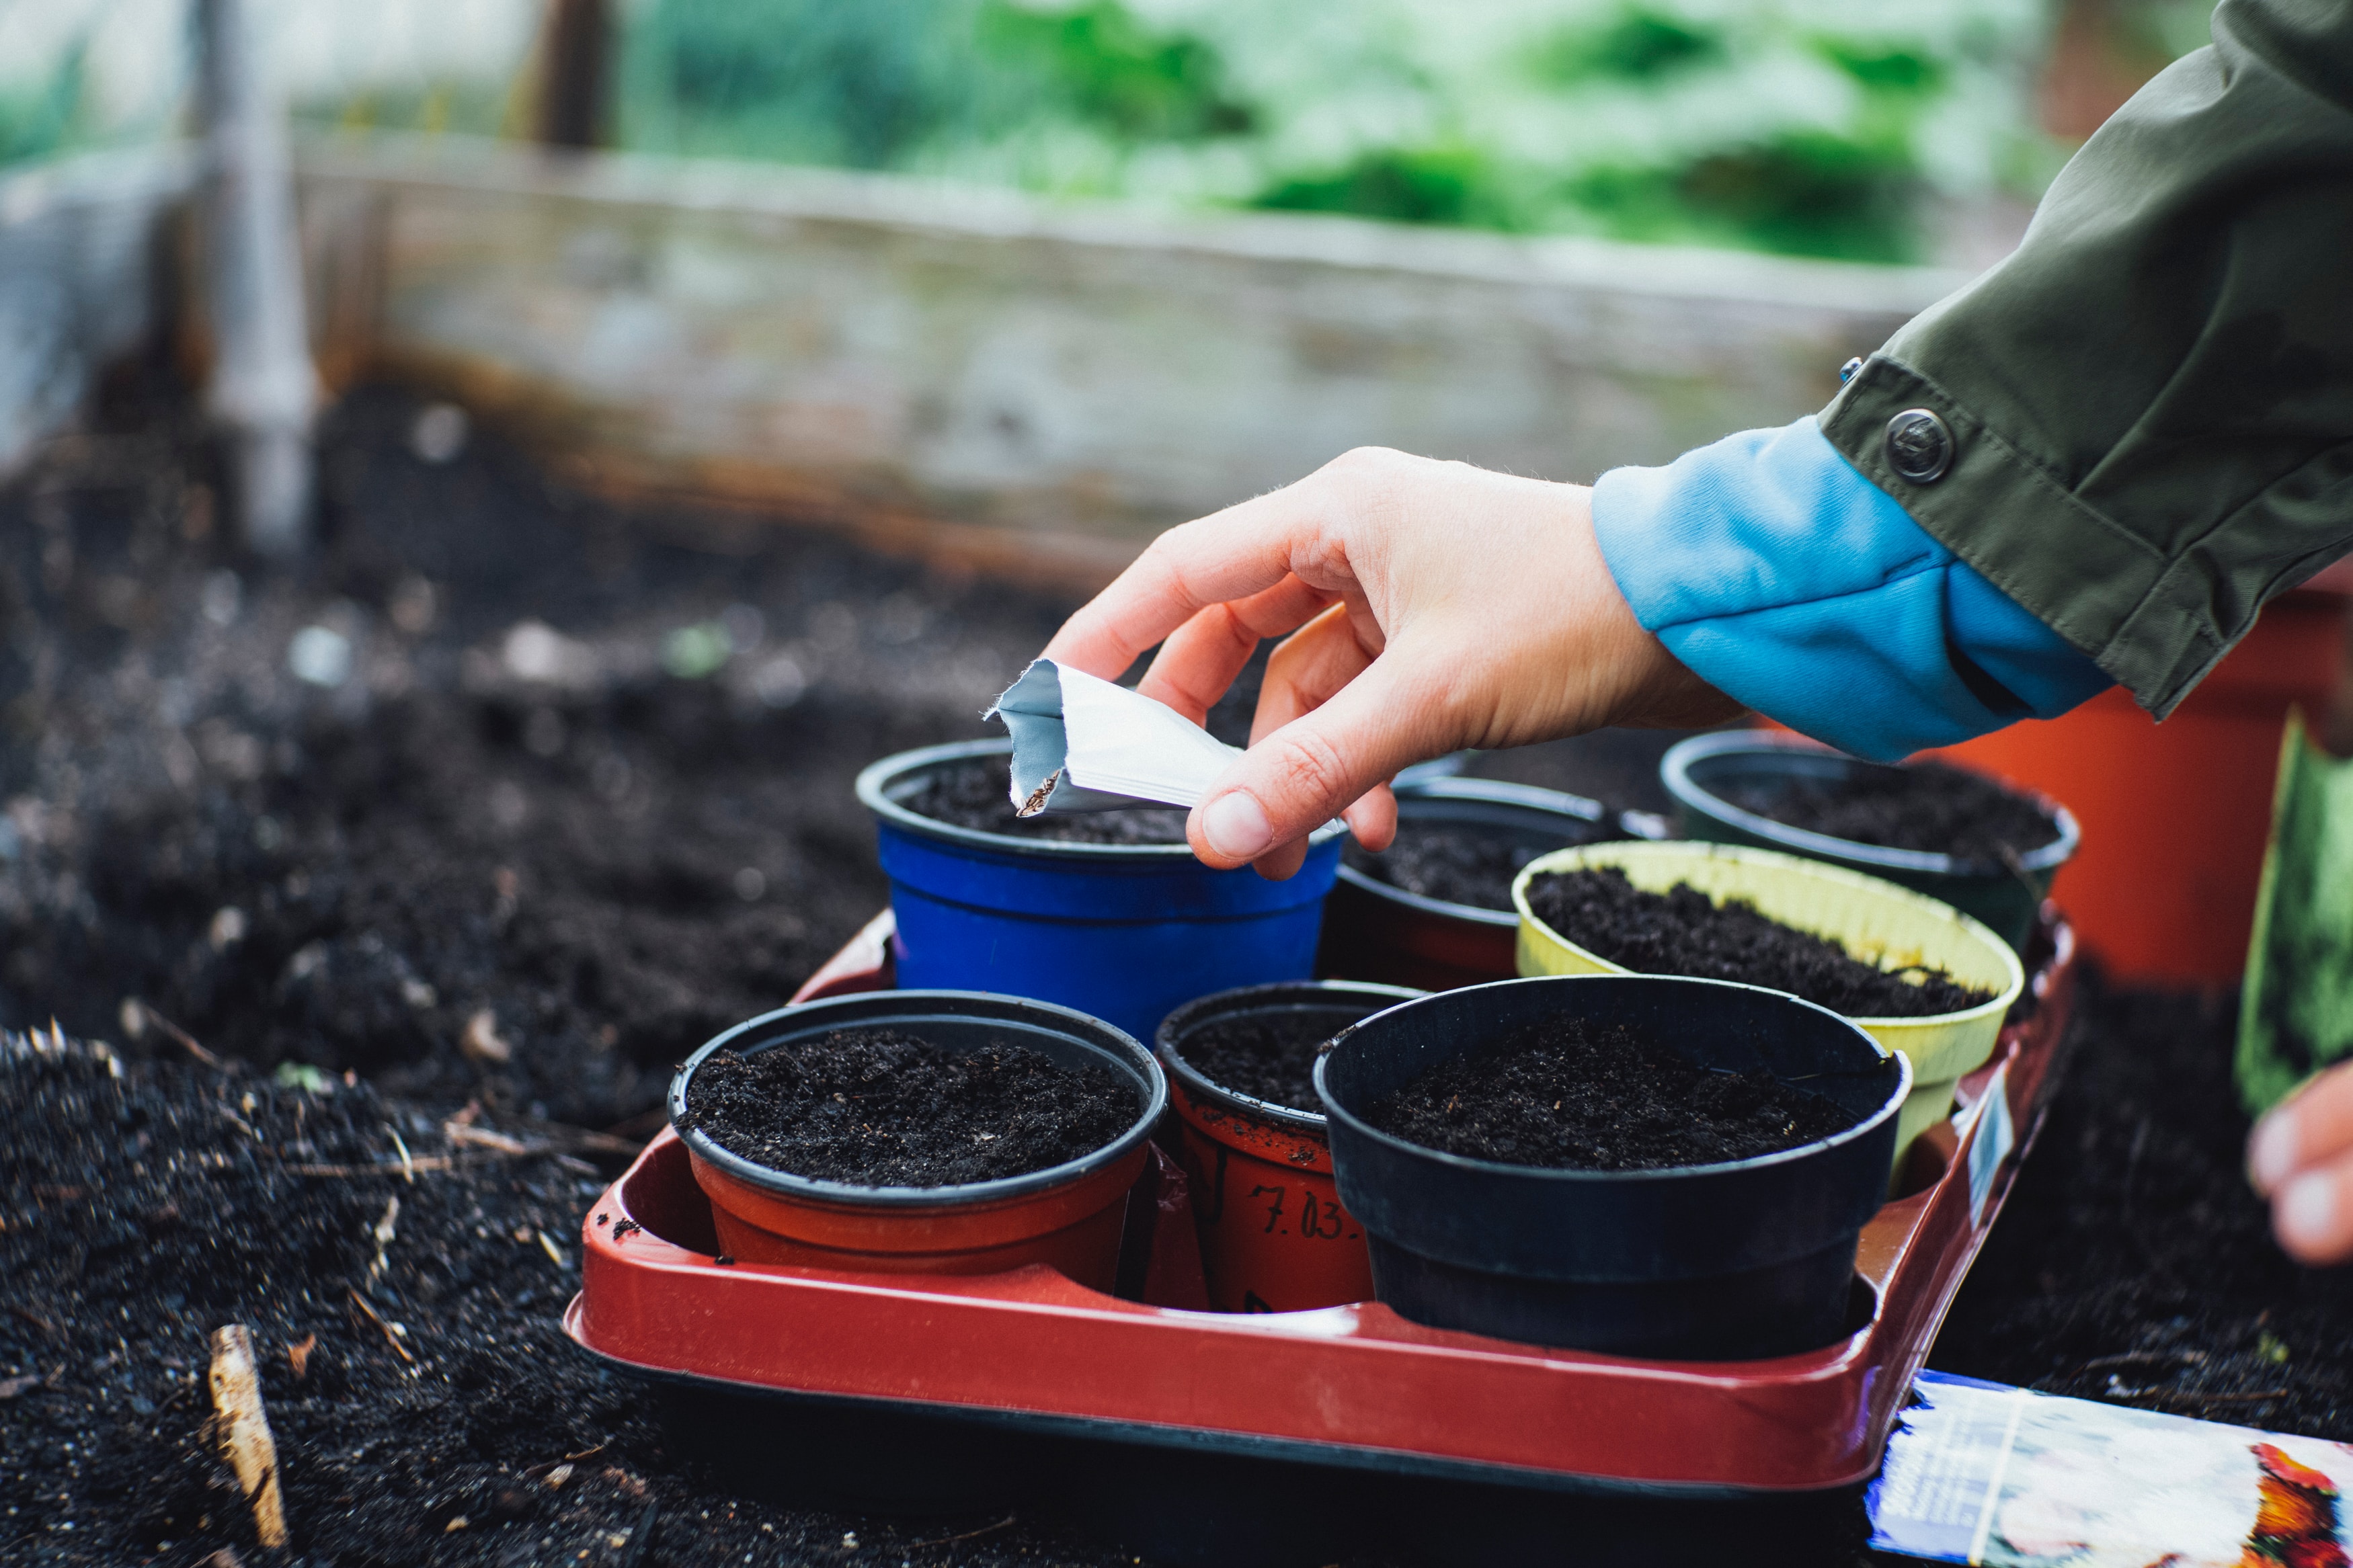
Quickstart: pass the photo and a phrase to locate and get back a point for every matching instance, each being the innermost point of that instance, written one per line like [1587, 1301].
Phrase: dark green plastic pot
[1697, 772]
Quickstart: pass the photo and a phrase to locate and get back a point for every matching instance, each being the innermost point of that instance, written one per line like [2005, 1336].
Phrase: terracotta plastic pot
[1068, 1216]
[1698, 771]
[1375, 932]
[1740, 1260]
[1273, 1236]
[1877, 922]
[2154, 899]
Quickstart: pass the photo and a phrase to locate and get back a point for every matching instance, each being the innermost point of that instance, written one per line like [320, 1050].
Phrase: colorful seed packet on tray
[1979, 1473]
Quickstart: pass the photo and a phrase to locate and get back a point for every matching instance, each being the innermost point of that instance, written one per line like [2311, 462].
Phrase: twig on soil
[407, 1166]
[391, 1335]
[967, 1535]
[483, 1138]
[429, 1163]
[242, 1429]
[2145, 1358]
[546, 1464]
[137, 1014]
[298, 1354]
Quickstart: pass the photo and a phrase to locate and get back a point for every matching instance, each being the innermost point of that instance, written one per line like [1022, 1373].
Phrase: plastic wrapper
[1980, 1473]
[1082, 743]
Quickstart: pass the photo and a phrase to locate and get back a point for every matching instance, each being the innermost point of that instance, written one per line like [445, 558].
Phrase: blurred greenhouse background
[1826, 128]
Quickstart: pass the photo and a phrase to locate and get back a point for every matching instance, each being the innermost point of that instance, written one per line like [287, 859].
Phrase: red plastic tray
[1354, 1386]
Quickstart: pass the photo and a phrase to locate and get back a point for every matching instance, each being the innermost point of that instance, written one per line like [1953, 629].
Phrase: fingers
[1202, 656]
[1316, 661]
[1304, 773]
[2312, 1214]
[1242, 550]
[1373, 818]
[2300, 1155]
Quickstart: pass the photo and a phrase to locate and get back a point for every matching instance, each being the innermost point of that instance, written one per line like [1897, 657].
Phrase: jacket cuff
[1785, 579]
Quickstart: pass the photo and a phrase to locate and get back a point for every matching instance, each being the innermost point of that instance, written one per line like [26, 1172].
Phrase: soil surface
[2133, 1263]
[1566, 1094]
[1928, 807]
[1681, 931]
[979, 795]
[1271, 1056]
[1458, 862]
[880, 1108]
[552, 830]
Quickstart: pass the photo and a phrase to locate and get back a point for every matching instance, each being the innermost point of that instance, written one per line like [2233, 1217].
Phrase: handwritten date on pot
[1316, 1219]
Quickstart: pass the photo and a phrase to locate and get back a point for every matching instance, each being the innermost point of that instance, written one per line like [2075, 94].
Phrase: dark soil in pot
[1682, 931]
[1458, 863]
[1268, 1057]
[1568, 1094]
[881, 1108]
[978, 795]
[1931, 807]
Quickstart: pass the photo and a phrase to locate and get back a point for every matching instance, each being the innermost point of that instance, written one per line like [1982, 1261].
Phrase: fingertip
[2309, 1218]
[1372, 818]
[2272, 1150]
[1283, 864]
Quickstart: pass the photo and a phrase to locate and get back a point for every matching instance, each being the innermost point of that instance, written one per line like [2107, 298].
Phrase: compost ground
[883, 1108]
[1567, 1094]
[531, 796]
[978, 795]
[1681, 931]
[1269, 1058]
[1928, 807]
[1456, 862]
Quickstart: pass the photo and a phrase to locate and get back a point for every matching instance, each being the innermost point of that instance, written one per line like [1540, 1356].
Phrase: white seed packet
[2007, 1477]
[1082, 743]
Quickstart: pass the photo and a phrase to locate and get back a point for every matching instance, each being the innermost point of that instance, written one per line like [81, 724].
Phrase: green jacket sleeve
[2148, 409]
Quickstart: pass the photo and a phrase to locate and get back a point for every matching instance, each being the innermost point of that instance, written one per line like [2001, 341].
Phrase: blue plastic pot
[1127, 932]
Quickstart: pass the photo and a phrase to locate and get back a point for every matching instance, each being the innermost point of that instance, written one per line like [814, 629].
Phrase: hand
[2300, 1156]
[1432, 605]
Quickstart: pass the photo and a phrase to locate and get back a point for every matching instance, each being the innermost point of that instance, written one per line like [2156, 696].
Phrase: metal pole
[264, 392]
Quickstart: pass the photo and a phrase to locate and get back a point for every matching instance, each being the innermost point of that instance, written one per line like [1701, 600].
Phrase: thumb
[1300, 777]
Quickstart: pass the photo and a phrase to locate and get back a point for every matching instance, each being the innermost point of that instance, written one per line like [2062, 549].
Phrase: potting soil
[1930, 807]
[1570, 1094]
[1457, 862]
[978, 795]
[556, 838]
[1270, 1057]
[883, 1107]
[1682, 931]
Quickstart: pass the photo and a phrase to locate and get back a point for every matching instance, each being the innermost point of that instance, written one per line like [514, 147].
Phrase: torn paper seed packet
[1082, 743]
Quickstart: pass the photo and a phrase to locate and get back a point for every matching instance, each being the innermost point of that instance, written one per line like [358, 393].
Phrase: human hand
[2300, 1156]
[1432, 605]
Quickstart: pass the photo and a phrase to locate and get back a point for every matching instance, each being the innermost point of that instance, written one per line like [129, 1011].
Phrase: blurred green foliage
[1819, 127]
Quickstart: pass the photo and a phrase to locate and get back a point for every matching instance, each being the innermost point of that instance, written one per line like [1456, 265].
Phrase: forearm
[1783, 578]
[2149, 407]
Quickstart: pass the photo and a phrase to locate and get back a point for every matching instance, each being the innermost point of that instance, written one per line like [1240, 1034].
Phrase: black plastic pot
[1697, 772]
[1237, 1148]
[1377, 931]
[1735, 1261]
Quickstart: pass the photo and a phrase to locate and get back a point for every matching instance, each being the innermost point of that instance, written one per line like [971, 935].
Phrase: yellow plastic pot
[1877, 922]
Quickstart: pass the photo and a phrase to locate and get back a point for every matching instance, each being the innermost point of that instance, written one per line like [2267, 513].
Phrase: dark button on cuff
[1919, 447]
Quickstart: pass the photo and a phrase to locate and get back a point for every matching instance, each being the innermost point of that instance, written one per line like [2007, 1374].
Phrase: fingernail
[2270, 1152]
[2307, 1212]
[1235, 825]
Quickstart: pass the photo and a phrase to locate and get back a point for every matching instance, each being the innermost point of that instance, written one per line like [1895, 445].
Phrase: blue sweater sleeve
[1787, 581]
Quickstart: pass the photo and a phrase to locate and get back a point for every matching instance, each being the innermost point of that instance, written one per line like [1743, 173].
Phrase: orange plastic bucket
[1069, 1216]
[2175, 815]
[1274, 1238]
